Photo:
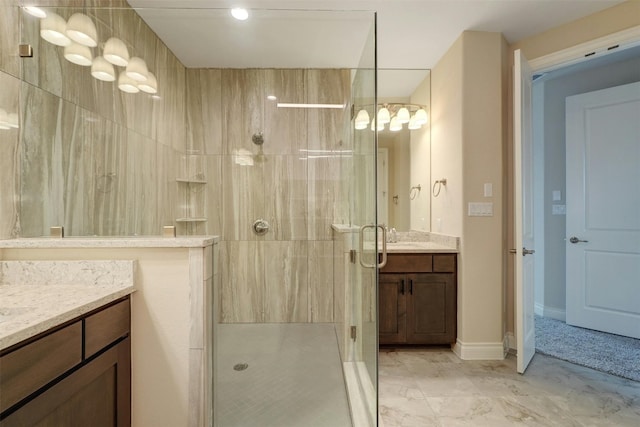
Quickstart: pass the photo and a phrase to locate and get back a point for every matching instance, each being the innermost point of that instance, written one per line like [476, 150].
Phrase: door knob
[526, 251]
[575, 240]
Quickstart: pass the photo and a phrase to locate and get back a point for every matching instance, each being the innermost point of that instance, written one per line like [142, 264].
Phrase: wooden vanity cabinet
[91, 388]
[418, 299]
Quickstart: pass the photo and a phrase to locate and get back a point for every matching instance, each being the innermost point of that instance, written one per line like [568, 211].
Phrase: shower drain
[240, 366]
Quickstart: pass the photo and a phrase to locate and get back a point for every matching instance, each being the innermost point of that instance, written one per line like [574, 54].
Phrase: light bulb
[240, 14]
[403, 115]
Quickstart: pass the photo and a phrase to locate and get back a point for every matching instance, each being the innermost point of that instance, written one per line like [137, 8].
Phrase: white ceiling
[411, 34]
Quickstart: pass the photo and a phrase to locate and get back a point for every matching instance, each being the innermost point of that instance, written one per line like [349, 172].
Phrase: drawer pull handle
[411, 286]
[402, 286]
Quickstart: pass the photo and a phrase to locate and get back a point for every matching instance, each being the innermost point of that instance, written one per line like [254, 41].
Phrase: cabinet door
[392, 308]
[431, 308]
[98, 394]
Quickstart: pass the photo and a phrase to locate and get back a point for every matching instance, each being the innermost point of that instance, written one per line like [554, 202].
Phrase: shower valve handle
[260, 227]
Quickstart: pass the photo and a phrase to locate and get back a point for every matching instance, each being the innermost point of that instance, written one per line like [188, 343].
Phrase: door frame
[596, 48]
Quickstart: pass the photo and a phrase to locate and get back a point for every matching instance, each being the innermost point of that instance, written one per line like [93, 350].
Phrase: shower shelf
[191, 219]
[191, 181]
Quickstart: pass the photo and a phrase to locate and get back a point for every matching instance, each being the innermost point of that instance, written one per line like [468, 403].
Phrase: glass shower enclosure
[245, 131]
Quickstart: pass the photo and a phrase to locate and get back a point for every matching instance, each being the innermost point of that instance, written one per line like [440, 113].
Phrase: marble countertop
[419, 247]
[38, 295]
[110, 242]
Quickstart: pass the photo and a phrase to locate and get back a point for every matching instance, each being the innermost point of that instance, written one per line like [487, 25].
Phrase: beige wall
[467, 149]
[421, 162]
[617, 18]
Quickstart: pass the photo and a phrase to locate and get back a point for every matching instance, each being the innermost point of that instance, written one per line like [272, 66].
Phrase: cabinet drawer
[105, 327]
[30, 367]
[444, 263]
[403, 263]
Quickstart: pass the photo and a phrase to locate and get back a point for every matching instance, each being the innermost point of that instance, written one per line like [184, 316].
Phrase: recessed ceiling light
[239, 13]
[272, 97]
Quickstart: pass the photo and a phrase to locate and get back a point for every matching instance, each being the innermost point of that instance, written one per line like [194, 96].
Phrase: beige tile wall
[286, 275]
[91, 158]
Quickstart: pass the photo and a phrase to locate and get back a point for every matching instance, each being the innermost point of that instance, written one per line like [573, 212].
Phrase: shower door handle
[383, 262]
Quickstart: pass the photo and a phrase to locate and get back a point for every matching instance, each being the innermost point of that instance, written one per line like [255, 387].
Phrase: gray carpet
[604, 352]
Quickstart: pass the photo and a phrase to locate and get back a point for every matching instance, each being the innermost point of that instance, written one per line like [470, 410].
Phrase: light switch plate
[480, 209]
[558, 209]
[556, 195]
[488, 189]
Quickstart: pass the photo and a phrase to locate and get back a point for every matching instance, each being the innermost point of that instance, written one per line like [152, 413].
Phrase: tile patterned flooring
[433, 387]
[293, 379]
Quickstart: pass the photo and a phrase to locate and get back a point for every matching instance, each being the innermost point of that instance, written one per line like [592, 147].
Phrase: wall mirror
[404, 149]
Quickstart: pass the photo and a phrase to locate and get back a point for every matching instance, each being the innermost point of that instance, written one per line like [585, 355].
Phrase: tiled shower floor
[294, 376]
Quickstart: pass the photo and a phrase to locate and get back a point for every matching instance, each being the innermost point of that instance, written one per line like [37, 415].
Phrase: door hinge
[352, 256]
[353, 111]
[354, 333]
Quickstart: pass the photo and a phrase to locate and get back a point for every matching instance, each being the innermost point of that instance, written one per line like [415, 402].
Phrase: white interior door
[603, 210]
[523, 211]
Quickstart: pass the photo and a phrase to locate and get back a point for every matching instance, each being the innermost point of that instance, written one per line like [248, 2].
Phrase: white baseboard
[555, 313]
[479, 351]
[538, 309]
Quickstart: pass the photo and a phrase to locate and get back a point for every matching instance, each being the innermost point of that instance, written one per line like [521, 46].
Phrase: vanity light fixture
[240, 13]
[149, 86]
[116, 52]
[78, 54]
[127, 84]
[137, 69]
[413, 114]
[35, 11]
[103, 70]
[82, 30]
[53, 29]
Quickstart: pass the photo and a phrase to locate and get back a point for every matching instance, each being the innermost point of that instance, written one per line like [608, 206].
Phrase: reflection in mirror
[404, 155]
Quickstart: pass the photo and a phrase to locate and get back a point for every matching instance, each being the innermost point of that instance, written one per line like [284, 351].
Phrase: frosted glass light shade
[53, 29]
[384, 116]
[35, 11]
[137, 69]
[373, 125]
[78, 54]
[421, 116]
[362, 120]
[413, 123]
[116, 52]
[403, 115]
[127, 84]
[82, 30]
[395, 125]
[103, 70]
[150, 86]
